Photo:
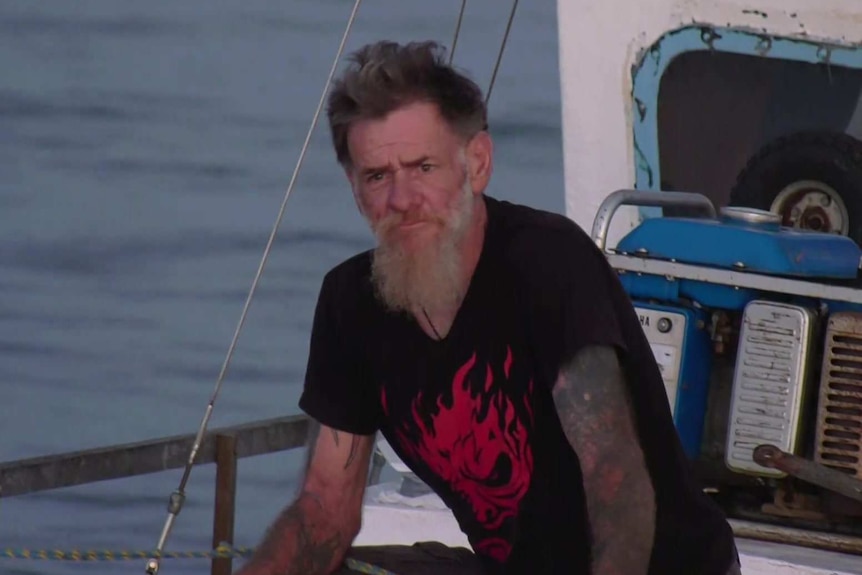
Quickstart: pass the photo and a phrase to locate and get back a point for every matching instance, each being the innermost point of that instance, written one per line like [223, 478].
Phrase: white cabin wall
[601, 42]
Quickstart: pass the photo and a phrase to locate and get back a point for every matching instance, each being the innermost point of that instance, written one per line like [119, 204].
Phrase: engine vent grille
[839, 412]
[768, 383]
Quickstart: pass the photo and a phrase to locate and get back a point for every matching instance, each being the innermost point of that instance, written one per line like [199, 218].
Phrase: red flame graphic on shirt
[480, 447]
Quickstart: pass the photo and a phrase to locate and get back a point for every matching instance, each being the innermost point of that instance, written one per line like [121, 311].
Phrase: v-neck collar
[473, 285]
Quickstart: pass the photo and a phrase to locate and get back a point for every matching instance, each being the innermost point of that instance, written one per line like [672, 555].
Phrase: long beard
[427, 276]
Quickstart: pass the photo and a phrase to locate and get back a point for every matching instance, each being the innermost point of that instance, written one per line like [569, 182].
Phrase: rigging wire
[500, 54]
[457, 31]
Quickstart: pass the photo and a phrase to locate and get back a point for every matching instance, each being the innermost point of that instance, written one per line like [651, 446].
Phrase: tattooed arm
[592, 402]
[312, 535]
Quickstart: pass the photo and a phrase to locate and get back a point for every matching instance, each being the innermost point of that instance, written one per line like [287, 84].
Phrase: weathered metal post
[225, 500]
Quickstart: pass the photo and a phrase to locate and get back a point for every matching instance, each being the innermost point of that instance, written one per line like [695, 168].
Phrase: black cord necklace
[431, 323]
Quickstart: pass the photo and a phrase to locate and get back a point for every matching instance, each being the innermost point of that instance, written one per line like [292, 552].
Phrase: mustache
[391, 221]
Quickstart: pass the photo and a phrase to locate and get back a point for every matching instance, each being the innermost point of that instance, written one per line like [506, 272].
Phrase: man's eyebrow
[417, 162]
[374, 169]
[409, 164]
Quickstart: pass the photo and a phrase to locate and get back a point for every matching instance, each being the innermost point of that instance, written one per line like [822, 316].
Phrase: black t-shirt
[473, 415]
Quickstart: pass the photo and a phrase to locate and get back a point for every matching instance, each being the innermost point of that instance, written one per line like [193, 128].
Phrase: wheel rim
[812, 205]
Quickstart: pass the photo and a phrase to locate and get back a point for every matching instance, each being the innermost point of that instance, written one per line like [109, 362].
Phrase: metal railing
[222, 446]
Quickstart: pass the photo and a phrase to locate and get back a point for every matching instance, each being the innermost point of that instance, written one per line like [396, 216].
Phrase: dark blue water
[144, 151]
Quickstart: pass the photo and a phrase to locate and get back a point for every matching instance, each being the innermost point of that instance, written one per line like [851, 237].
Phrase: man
[494, 348]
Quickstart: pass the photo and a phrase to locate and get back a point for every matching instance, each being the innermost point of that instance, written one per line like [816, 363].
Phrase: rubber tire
[832, 158]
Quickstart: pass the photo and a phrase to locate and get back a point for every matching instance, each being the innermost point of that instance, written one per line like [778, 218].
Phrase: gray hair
[386, 76]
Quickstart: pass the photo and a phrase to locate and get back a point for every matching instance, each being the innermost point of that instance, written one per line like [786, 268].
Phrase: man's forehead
[403, 135]
[401, 150]
[396, 147]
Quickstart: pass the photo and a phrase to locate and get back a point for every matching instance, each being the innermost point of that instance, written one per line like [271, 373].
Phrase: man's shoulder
[354, 267]
[350, 276]
[537, 238]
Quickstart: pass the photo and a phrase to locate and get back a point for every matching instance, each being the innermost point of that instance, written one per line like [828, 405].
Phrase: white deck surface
[389, 518]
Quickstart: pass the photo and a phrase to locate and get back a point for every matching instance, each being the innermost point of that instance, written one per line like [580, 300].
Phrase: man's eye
[426, 167]
[375, 177]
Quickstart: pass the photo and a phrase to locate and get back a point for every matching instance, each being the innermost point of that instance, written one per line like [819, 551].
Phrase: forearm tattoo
[307, 538]
[592, 402]
[316, 546]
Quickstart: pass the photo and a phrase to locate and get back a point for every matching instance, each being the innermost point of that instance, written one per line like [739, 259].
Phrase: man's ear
[480, 161]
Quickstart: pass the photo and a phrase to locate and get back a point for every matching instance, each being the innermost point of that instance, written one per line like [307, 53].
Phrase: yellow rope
[119, 555]
[126, 555]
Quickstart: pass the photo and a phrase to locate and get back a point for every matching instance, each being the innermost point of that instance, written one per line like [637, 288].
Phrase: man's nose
[402, 193]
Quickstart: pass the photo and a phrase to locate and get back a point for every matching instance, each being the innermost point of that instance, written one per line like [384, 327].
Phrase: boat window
[717, 109]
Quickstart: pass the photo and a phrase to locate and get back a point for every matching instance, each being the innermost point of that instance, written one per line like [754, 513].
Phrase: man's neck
[436, 323]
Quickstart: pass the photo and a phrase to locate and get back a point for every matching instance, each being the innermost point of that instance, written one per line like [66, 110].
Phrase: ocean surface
[145, 148]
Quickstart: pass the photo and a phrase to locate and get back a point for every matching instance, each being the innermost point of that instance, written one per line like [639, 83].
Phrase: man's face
[411, 180]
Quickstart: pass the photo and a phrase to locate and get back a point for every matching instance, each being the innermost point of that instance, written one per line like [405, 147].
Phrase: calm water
[144, 151]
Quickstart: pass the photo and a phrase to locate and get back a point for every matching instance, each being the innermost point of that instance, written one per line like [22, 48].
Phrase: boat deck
[776, 559]
[392, 519]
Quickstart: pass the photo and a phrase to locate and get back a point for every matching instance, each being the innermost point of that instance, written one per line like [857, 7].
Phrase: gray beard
[427, 278]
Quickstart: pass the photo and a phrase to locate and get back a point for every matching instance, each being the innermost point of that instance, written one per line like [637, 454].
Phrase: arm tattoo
[316, 547]
[354, 447]
[311, 442]
[592, 402]
[312, 535]
[314, 433]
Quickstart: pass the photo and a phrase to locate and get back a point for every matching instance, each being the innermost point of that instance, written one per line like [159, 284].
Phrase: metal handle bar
[602, 222]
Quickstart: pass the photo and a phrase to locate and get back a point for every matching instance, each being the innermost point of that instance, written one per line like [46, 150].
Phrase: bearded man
[494, 348]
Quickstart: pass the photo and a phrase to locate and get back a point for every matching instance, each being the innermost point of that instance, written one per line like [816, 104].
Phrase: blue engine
[691, 278]
[741, 240]
[682, 346]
